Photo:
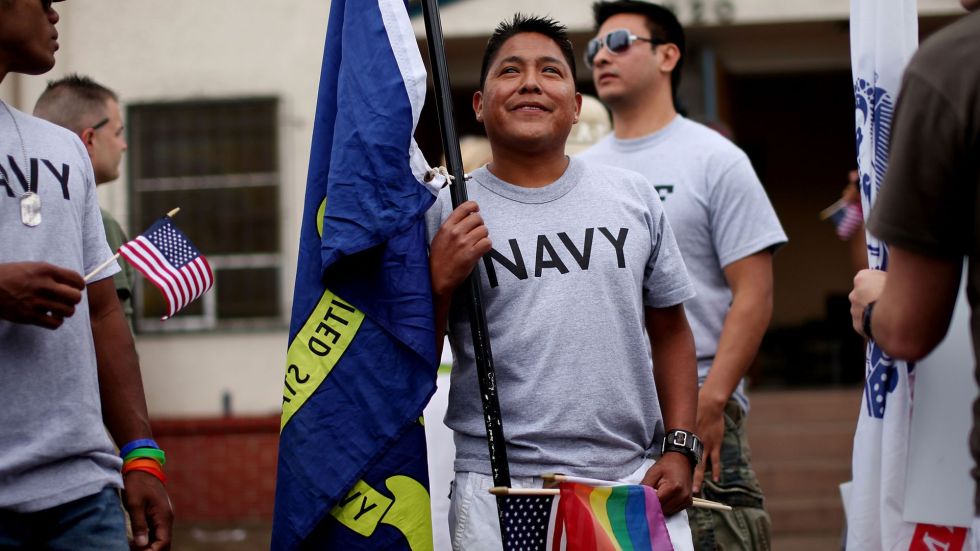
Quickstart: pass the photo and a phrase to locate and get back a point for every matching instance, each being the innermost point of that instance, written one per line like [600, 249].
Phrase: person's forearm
[741, 335]
[900, 332]
[120, 383]
[916, 304]
[675, 369]
[455, 249]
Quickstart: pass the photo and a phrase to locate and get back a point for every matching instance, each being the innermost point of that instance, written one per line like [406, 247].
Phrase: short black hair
[661, 22]
[527, 24]
[74, 102]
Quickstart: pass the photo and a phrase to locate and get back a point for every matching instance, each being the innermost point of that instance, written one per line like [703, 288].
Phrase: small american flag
[165, 256]
[526, 521]
[849, 221]
[846, 216]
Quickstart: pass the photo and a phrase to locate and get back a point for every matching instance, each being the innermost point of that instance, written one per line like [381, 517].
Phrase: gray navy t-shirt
[53, 446]
[573, 266]
[716, 205]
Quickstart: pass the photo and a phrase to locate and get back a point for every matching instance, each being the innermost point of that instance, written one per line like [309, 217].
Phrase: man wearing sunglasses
[68, 367]
[581, 280]
[91, 111]
[726, 230]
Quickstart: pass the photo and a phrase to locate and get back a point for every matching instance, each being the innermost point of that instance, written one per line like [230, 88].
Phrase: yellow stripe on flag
[597, 500]
[316, 349]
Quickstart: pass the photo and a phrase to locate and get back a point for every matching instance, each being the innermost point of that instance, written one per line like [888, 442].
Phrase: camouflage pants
[747, 527]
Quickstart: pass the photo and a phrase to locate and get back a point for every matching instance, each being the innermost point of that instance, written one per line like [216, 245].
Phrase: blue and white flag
[884, 35]
[361, 363]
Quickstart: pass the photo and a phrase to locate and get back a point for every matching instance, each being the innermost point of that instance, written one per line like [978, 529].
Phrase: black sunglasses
[100, 124]
[617, 42]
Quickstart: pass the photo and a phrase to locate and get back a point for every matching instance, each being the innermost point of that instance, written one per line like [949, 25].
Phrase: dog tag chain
[30, 202]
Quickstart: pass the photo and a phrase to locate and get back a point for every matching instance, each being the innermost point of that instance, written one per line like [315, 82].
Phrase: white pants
[973, 539]
[473, 523]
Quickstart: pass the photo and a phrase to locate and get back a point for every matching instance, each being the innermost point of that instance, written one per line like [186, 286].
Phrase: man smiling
[584, 268]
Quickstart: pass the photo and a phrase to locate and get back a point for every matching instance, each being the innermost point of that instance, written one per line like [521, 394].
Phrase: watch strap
[684, 442]
[866, 320]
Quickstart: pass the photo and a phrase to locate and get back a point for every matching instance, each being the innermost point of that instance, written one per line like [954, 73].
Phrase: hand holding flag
[588, 517]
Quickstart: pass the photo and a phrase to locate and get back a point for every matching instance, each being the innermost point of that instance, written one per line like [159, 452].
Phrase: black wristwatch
[684, 442]
[866, 320]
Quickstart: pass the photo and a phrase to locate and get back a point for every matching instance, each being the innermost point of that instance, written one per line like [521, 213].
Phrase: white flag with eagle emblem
[884, 35]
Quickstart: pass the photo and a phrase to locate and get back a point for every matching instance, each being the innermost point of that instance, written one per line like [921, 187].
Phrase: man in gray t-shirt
[726, 230]
[582, 281]
[67, 360]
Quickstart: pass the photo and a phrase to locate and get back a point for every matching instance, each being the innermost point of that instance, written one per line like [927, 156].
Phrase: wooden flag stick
[702, 503]
[106, 264]
[101, 267]
[504, 491]
[553, 477]
[827, 212]
[699, 503]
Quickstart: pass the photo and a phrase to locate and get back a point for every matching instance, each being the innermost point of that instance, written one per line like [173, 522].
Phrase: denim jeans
[747, 527]
[93, 523]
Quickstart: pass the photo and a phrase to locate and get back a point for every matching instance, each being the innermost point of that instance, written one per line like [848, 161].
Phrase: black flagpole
[474, 299]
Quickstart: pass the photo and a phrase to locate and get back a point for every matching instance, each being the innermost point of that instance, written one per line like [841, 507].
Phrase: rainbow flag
[610, 518]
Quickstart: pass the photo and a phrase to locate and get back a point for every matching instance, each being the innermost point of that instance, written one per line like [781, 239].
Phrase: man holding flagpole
[581, 278]
[928, 208]
[67, 360]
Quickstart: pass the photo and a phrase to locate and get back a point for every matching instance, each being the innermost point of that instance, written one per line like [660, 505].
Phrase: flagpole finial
[173, 213]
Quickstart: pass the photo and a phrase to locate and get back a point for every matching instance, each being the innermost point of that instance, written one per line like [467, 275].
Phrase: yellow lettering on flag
[316, 349]
[362, 509]
[409, 512]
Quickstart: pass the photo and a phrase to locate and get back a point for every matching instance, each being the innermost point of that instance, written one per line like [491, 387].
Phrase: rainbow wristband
[152, 469]
[141, 461]
[141, 443]
[151, 453]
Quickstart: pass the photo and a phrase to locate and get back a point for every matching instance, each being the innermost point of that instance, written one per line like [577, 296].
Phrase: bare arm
[124, 413]
[456, 248]
[120, 384]
[676, 375]
[675, 368]
[750, 280]
[913, 302]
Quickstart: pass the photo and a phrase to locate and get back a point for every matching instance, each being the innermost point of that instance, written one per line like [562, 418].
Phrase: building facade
[219, 99]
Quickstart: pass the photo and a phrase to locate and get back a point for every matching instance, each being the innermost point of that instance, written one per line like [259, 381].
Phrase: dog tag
[30, 209]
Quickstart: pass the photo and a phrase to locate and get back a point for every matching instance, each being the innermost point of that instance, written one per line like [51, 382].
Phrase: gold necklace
[30, 201]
